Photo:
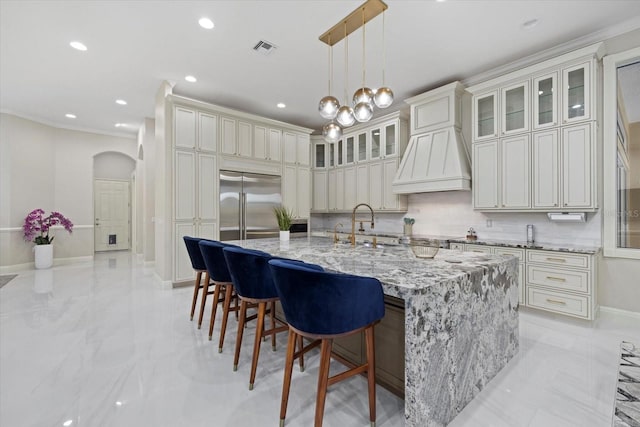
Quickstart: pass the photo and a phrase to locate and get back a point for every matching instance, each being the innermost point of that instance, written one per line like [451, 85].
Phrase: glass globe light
[331, 132]
[345, 116]
[383, 97]
[364, 94]
[363, 112]
[328, 107]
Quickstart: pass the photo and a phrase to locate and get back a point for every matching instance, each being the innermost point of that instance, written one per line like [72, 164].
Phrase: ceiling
[134, 45]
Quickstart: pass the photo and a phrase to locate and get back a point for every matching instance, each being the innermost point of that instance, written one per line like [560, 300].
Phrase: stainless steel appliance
[246, 205]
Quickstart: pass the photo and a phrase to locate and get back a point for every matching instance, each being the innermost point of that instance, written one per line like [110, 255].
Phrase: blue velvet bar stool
[251, 277]
[213, 255]
[198, 265]
[356, 304]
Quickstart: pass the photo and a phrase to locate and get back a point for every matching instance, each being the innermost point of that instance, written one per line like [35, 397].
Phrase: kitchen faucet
[353, 222]
[335, 232]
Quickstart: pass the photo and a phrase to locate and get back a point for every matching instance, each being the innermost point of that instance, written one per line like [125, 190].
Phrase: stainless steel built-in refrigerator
[246, 205]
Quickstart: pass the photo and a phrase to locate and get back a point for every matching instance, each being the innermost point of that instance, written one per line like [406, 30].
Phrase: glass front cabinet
[545, 101]
[576, 96]
[383, 141]
[514, 108]
[485, 116]
[320, 155]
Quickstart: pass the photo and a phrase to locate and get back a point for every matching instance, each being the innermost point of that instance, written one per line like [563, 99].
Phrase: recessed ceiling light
[441, 1]
[206, 23]
[78, 46]
[121, 125]
[70, 116]
[118, 403]
[191, 79]
[67, 423]
[121, 102]
[281, 105]
[530, 24]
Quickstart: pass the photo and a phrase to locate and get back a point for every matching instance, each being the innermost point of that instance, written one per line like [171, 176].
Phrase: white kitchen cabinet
[319, 155]
[228, 136]
[275, 145]
[260, 143]
[576, 93]
[340, 190]
[185, 186]
[182, 268]
[245, 139]
[332, 193]
[296, 190]
[485, 116]
[545, 169]
[485, 175]
[361, 147]
[381, 195]
[384, 141]
[184, 129]
[207, 176]
[207, 132]
[296, 148]
[514, 108]
[350, 188]
[320, 191]
[578, 167]
[362, 183]
[349, 150]
[514, 176]
[561, 106]
[545, 101]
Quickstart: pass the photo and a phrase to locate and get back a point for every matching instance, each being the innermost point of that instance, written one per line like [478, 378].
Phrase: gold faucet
[353, 222]
[335, 233]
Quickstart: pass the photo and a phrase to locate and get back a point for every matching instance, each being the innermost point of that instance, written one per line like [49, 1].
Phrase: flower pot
[408, 229]
[43, 256]
[284, 235]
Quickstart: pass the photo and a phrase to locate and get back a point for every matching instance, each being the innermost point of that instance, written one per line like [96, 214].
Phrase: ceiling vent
[264, 47]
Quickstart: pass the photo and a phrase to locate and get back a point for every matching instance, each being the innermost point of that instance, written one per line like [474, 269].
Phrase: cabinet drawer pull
[556, 259]
[555, 301]
[475, 250]
[557, 279]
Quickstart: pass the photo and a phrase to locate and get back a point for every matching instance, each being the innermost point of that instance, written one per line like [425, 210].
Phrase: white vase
[284, 235]
[43, 256]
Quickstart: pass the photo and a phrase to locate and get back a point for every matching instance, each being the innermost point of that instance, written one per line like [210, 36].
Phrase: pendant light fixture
[384, 95]
[328, 106]
[346, 116]
[364, 98]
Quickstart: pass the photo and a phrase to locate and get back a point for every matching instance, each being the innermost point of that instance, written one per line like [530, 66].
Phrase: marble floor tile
[102, 343]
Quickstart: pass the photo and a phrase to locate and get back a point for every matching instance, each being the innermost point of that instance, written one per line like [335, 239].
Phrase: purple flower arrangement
[36, 223]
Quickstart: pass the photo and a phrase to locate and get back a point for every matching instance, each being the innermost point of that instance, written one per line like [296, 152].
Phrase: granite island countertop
[461, 315]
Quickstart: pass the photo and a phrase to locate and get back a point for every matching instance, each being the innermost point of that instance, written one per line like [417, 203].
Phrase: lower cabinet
[389, 338]
[182, 270]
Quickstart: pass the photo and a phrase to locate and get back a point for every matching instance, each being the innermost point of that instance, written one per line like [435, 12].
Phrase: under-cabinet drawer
[478, 248]
[518, 253]
[574, 305]
[559, 258]
[561, 279]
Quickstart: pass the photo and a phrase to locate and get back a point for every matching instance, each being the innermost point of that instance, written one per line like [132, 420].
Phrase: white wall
[111, 165]
[52, 169]
[146, 139]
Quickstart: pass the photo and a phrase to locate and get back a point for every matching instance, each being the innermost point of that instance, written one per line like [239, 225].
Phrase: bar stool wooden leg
[323, 379]
[371, 373]
[288, 369]
[273, 324]
[301, 347]
[236, 305]
[214, 308]
[195, 292]
[262, 308]
[205, 291]
[228, 292]
[243, 316]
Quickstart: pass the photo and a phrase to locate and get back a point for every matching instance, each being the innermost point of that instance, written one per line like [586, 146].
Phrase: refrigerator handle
[243, 214]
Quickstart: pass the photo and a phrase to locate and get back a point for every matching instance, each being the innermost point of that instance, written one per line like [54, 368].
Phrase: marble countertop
[397, 268]
[489, 242]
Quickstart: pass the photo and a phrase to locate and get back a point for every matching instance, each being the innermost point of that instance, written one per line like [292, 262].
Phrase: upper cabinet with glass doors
[545, 101]
[576, 93]
[514, 108]
[383, 141]
[485, 116]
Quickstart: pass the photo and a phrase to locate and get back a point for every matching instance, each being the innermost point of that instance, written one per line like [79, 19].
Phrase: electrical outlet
[489, 223]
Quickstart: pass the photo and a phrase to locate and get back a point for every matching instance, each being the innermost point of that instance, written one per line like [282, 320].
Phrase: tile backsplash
[451, 214]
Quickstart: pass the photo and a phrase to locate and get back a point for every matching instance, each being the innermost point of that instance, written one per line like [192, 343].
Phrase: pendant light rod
[384, 51]
[356, 19]
[346, 67]
[364, 57]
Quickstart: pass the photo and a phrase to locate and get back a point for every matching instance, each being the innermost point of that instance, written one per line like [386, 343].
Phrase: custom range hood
[437, 157]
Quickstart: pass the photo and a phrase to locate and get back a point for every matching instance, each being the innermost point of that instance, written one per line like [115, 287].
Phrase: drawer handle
[475, 250]
[555, 301]
[557, 279]
[557, 259]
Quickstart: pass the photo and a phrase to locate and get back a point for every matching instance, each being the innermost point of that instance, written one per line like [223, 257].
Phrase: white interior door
[112, 215]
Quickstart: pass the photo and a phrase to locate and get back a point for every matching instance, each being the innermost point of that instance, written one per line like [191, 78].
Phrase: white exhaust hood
[436, 158]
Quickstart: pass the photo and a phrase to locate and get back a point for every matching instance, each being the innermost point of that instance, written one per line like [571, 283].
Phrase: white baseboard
[8, 269]
[183, 284]
[164, 284]
[620, 311]
[149, 263]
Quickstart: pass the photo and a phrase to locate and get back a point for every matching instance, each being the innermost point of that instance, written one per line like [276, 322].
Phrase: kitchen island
[461, 315]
